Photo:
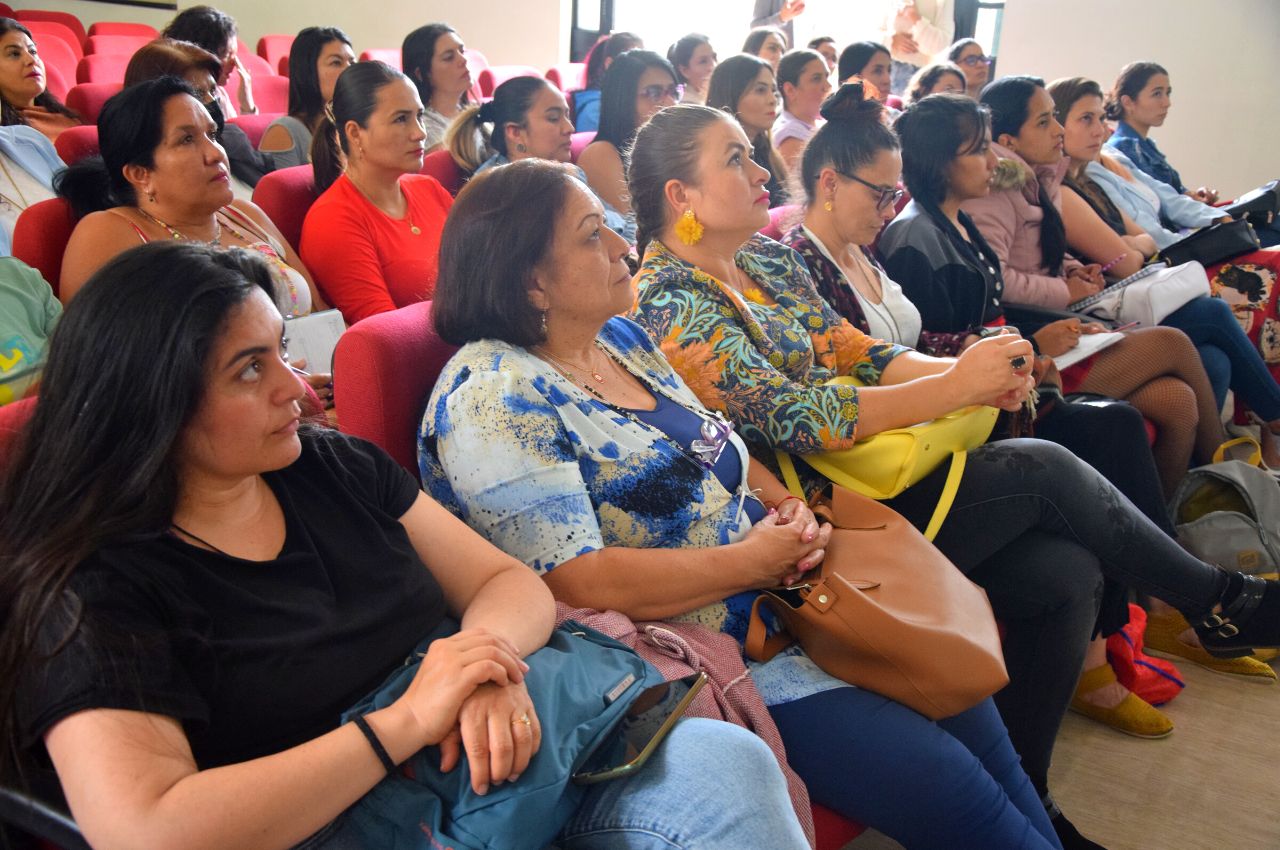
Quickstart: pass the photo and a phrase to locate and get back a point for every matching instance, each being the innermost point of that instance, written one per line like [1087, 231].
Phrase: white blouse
[895, 318]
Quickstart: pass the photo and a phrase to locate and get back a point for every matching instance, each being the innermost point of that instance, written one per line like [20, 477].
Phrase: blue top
[586, 110]
[1144, 154]
[1150, 209]
[31, 151]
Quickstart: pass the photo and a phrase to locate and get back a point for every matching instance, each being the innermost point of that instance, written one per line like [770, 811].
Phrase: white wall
[1223, 59]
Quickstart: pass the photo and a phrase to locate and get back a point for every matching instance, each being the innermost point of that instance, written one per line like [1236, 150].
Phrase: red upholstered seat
[386, 55]
[123, 28]
[383, 370]
[44, 31]
[75, 143]
[579, 142]
[440, 165]
[40, 237]
[271, 93]
[833, 830]
[273, 48]
[568, 76]
[255, 125]
[87, 99]
[67, 19]
[102, 68]
[56, 83]
[285, 196]
[779, 217]
[125, 45]
[491, 78]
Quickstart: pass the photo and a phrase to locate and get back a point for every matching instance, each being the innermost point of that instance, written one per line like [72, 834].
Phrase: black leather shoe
[1249, 619]
[1070, 836]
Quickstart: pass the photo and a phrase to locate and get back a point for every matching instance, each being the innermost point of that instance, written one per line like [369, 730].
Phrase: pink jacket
[1009, 219]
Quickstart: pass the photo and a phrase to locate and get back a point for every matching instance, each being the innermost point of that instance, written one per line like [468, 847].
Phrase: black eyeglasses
[655, 93]
[889, 195]
[975, 61]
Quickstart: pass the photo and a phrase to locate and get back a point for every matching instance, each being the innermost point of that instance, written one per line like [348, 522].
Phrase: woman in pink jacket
[1156, 369]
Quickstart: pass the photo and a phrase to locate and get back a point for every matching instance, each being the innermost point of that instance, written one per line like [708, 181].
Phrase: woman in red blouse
[373, 236]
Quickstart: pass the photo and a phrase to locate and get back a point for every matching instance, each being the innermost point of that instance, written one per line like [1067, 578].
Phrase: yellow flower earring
[689, 229]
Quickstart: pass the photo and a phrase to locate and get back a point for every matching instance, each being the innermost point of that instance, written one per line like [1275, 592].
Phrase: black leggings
[1038, 529]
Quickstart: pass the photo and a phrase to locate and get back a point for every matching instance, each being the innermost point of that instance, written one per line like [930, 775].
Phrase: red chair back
[476, 62]
[6, 10]
[440, 165]
[57, 57]
[76, 143]
[285, 196]
[56, 82]
[578, 143]
[102, 68]
[284, 66]
[780, 218]
[383, 370]
[13, 418]
[43, 31]
[123, 28]
[255, 125]
[273, 48]
[271, 93]
[40, 237]
[87, 99]
[124, 45]
[568, 76]
[491, 78]
[67, 19]
[387, 55]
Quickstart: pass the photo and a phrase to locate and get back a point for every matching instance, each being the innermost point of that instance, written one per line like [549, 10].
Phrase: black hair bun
[488, 113]
[852, 102]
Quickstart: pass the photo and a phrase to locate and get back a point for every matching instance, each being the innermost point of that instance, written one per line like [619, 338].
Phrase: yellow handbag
[885, 464]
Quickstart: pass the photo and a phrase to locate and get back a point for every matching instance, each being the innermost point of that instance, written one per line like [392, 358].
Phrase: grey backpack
[1228, 514]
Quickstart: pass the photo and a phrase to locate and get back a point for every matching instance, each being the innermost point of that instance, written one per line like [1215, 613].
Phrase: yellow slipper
[1132, 716]
[1162, 637]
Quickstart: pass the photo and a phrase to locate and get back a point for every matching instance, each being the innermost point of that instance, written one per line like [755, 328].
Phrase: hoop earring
[521, 148]
[689, 229]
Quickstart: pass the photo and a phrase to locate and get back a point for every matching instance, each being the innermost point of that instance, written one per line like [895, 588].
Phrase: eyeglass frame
[889, 195]
[972, 61]
[676, 90]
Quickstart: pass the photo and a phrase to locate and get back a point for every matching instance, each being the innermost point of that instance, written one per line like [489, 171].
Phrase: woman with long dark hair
[317, 58]
[373, 233]
[637, 85]
[586, 103]
[804, 82]
[435, 61]
[24, 94]
[694, 59]
[744, 86]
[194, 587]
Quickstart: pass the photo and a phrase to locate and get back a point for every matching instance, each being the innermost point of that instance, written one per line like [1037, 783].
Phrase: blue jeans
[954, 784]
[710, 786]
[1229, 358]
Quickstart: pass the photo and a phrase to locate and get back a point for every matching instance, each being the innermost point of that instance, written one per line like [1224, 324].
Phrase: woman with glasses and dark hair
[637, 85]
[974, 62]
[744, 87]
[317, 58]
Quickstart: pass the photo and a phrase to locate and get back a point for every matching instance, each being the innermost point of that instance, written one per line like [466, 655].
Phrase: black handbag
[1213, 244]
[1258, 207]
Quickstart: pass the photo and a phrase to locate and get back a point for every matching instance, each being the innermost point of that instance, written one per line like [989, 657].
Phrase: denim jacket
[1145, 155]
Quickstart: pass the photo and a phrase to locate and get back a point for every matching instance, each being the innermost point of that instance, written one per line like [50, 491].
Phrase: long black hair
[355, 96]
[10, 114]
[729, 81]
[681, 52]
[1009, 99]
[97, 464]
[606, 49]
[416, 53]
[934, 131]
[856, 56]
[852, 137]
[130, 128]
[618, 116]
[306, 103]
[205, 26]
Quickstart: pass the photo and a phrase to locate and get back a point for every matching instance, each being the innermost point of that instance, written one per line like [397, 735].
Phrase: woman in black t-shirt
[194, 589]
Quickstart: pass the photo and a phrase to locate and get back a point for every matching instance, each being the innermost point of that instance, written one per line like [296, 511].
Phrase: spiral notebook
[1083, 305]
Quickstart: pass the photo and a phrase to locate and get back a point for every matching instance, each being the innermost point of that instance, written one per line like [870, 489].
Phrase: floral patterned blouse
[764, 365]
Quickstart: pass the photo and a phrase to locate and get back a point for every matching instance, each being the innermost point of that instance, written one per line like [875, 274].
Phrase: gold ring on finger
[524, 718]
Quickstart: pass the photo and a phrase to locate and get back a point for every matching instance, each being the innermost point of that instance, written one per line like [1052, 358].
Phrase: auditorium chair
[386, 55]
[285, 196]
[67, 19]
[270, 93]
[568, 76]
[87, 99]
[102, 68]
[254, 126]
[492, 77]
[58, 54]
[440, 165]
[75, 143]
[273, 48]
[124, 45]
[40, 237]
[123, 28]
[43, 31]
[578, 143]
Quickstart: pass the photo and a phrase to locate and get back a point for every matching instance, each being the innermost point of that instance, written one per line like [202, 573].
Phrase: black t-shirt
[252, 657]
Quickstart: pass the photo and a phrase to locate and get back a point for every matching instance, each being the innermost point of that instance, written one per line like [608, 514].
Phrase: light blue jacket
[31, 151]
[1175, 207]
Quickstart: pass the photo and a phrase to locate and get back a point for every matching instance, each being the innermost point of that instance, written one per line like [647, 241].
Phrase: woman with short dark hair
[637, 85]
[217, 33]
[317, 58]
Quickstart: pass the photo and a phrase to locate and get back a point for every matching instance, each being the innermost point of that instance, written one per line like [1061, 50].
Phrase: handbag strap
[1255, 453]
[761, 646]
[789, 475]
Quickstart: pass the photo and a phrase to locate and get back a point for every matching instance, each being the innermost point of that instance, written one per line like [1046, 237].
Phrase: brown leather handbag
[886, 611]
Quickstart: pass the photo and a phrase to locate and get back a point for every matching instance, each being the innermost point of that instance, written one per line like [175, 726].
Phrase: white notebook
[1089, 345]
[314, 337]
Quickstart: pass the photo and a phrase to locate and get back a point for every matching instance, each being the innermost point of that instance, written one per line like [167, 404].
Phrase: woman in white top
[805, 82]
[694, 59]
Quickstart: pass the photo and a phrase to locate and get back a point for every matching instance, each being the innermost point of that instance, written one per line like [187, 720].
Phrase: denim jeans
[710, 786]
[1229, 358]
[954, 784]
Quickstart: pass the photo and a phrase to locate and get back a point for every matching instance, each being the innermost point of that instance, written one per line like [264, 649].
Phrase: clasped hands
[790, 542]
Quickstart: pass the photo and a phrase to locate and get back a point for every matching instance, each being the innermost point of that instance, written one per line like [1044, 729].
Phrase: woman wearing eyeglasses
[637, 84]
[968, 54]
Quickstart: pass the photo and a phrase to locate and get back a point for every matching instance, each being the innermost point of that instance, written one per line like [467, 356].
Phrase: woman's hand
[321, 382]
[1205, 195]
[1083, 281]
[1061, 336]
[1142, 243]
[450, 672]
[785, 544]
[245, 94]
[985, 373]
[500, 732]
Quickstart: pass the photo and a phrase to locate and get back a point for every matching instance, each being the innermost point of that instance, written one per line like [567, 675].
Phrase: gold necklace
[16, 187]
[173, 232]
[556, 361]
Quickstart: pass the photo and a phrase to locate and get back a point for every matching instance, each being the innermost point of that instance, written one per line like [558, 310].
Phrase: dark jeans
[1038, 529]
[1229, 358]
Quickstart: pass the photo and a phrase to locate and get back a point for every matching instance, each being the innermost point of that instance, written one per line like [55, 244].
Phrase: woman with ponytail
[374, 233]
